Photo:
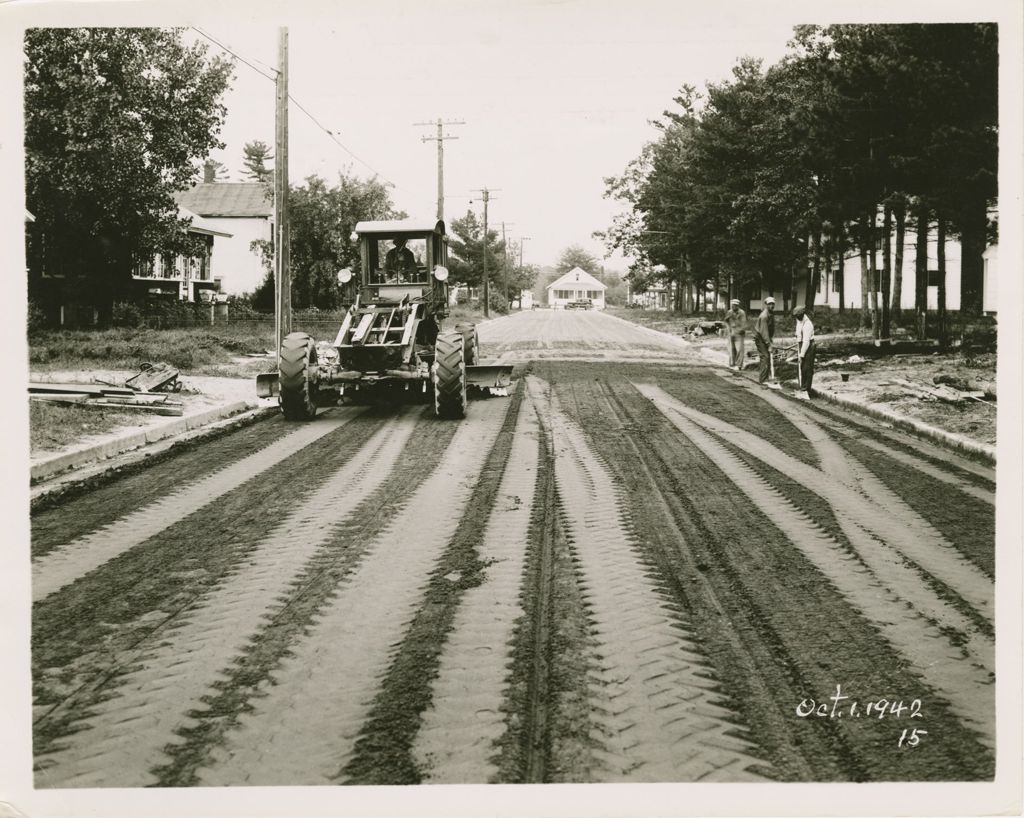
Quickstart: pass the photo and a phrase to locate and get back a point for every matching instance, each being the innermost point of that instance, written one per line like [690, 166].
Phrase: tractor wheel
[471, 342]
[298, 391]
[449, 375]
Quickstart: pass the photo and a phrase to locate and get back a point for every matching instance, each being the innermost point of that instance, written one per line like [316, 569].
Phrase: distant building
[573, 286]
[184, 277]
[245, 212]
[842, 284]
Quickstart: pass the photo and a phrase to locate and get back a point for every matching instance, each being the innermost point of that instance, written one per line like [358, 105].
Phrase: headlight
[344, 275]
[440, 273]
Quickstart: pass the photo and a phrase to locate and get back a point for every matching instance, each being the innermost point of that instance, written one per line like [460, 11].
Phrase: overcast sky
[555, 96]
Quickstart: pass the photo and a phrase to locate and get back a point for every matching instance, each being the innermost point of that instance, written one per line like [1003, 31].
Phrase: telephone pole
[440, 138]
[504, 258]
[487, 290]
[282, 259]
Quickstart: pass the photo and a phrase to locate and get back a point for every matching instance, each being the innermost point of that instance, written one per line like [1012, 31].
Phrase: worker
[764, 332]
[400, 262]
[736, 321]
[805, 352]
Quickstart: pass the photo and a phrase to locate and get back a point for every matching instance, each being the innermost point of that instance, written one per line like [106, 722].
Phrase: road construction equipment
[391, 344]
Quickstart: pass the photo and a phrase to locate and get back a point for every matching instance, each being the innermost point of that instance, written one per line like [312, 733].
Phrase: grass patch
[53, 426]
[184, 349]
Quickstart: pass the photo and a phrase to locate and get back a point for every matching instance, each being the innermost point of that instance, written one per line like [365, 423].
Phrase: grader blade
[267, 385]
[495, 377]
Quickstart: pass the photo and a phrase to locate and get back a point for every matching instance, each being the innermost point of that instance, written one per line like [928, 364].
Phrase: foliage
[322, 219]
[115, 121]
[126, 314]
[36, 318]
[575, 256]
[256, 154]
[775, 169]
[468, 248]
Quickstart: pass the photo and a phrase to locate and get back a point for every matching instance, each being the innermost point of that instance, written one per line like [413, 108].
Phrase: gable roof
[577, 275]
[199, 224]
[227, 200]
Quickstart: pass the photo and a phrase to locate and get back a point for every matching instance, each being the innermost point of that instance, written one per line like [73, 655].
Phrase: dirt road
[636, 568]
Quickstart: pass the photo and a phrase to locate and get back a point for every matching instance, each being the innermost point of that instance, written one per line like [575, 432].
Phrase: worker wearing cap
[805, 351]
[736, 320]
[764, 332]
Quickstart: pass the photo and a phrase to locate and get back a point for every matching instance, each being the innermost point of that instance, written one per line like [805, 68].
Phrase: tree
[467, 246]
[321, 220]
[256, 154]
[116, 121]
[575, 256]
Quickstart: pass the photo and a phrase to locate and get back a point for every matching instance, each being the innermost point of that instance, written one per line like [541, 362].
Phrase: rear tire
[449, 375]
[471, 342]
[298, 391]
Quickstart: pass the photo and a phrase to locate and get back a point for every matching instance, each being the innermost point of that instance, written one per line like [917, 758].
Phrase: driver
[400, 262]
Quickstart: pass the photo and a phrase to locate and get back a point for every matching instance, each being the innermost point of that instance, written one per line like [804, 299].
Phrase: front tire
[298, 390]
[471, 342]
[449, 375]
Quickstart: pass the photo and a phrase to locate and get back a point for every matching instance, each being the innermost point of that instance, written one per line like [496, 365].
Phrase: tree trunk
[841, 269]
[921, 272]
[900, 211]
[872, 272]
[865, 313]
[941, 256]
[814, 279]
[886, 269]
[973, 224]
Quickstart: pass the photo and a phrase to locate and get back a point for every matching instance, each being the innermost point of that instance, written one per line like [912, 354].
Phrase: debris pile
[147, 392]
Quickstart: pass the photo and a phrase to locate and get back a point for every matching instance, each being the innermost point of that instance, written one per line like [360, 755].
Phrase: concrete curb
[949, 439]
[101, 451]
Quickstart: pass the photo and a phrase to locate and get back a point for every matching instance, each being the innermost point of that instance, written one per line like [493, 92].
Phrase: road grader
[391, 343]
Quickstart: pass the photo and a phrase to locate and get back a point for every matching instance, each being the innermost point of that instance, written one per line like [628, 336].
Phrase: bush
[497, 302]
[126, 314]
[36, 318]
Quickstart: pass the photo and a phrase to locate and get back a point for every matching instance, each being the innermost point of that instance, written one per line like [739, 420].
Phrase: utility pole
[440, 138]
[282, 260]
[487, 289]
[522, 241]
[504, 257]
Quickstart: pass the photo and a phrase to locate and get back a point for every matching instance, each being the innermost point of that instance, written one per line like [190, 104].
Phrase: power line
[338, 142]
[298, 105]
[235, 54]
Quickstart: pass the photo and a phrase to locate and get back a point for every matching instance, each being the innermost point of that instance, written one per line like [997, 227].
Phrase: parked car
[580, 304]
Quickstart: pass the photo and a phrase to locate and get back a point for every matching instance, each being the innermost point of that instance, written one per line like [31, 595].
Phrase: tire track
[966, 687]
[657, 713]
[124, 735]
[907, 533]
[853, 473]
[64, 565]
[460, 731]
[303, 731]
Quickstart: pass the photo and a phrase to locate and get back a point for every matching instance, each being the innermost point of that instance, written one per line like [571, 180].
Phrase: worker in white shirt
[805, 352]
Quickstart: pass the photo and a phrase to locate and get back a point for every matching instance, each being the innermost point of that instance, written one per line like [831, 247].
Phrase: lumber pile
[131, 397]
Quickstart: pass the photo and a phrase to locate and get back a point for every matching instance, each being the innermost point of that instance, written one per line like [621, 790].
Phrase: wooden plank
[364, 326]
[78, 388]
[58, 397]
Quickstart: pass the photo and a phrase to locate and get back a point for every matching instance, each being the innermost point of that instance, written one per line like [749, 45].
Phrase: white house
[184, 276]
[573, 286]
[834, 289]
[243, 210]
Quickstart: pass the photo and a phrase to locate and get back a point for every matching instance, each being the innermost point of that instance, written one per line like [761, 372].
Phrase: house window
[933, 278]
